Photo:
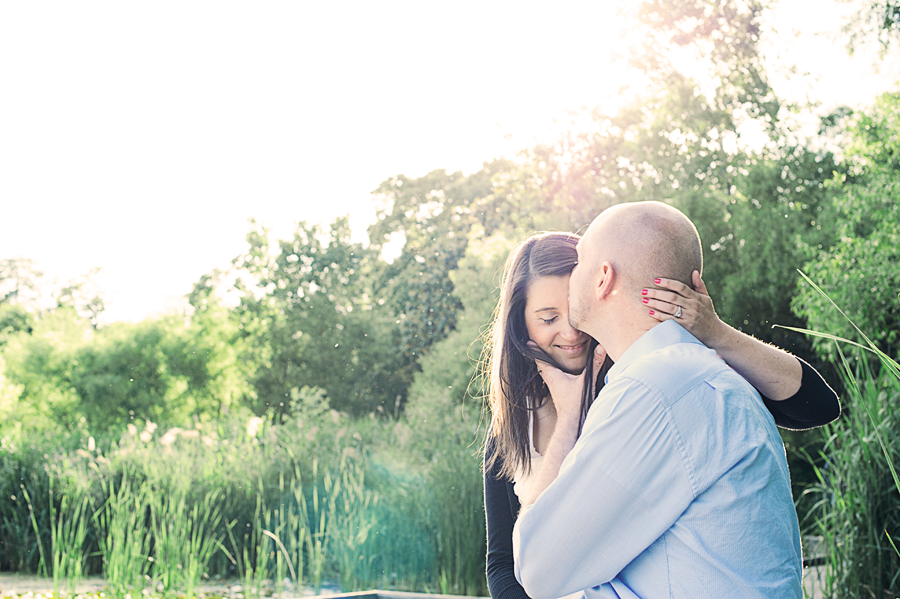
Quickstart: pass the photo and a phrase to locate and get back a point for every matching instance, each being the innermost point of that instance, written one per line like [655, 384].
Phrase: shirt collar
[662, 335]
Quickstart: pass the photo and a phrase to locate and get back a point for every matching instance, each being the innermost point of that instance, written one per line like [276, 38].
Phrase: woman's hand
[698, 315]
[566, 389]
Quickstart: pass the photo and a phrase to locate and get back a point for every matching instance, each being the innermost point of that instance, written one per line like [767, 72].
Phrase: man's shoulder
[674, 370]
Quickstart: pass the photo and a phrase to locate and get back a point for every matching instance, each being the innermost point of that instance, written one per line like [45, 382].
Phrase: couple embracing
[633, 449]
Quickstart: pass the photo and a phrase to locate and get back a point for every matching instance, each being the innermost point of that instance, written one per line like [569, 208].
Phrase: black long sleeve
[501, 507]
[814, 404]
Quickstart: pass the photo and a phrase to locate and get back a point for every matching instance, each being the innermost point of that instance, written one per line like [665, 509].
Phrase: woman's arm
[499, 501]
[796, 394]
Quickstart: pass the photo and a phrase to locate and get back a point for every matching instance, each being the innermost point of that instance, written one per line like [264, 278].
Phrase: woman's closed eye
[549, 320]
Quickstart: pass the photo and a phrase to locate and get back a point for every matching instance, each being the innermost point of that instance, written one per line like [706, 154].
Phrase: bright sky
[140, 137]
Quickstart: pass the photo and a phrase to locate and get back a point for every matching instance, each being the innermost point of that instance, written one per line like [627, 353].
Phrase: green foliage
[432, 215]
[122, 536]
[19, 281]
[444, 419]
[84, 296]
[878, 21]
[861, 271]
[857, 501]
[13, 319]
[310, 317]
[40, 364]
[160, 370]
[453, 363]
[123, 374]
[779, 209]
[67, 537]
[318, 497]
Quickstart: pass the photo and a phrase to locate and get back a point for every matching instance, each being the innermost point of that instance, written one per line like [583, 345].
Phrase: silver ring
[677, 312]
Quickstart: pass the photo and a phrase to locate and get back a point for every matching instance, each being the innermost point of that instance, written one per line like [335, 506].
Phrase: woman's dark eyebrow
[543, 310]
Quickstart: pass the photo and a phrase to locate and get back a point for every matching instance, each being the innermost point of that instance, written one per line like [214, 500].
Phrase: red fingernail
[643, 292]
[645, 300]
[652, 312]
[657, 281]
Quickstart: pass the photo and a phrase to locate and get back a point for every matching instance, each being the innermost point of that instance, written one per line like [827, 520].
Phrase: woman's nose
[568, 333]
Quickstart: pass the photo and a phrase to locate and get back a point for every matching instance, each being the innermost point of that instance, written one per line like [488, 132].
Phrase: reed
[67, 536]
[353, 516]
[124, 536]
[857, 496]
[298, 518]
[184, 536]
[317, 541]
[42, 566]
[363, 517]
[253, 555]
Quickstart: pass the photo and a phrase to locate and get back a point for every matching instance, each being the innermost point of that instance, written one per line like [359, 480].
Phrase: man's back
[678, 487]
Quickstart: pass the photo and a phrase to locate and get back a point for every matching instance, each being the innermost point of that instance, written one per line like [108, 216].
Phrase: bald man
[678, 486]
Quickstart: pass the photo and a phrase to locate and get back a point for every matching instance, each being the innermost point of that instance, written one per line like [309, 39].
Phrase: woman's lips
[572, 349]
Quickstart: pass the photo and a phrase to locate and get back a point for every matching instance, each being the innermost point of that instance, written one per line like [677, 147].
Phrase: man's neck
[621, 336]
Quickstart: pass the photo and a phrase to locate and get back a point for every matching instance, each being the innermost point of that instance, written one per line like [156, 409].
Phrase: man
[678, 485]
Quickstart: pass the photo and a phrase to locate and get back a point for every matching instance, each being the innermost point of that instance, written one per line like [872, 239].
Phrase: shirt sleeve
[501, 577]
[814, 404]
[621, 487]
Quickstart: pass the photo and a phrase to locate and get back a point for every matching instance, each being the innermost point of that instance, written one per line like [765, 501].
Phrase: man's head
[623, 250]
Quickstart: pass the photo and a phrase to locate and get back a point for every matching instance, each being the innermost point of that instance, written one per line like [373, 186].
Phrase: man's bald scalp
[645, 240]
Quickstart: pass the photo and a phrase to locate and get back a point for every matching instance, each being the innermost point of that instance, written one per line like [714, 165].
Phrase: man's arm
[620, 488]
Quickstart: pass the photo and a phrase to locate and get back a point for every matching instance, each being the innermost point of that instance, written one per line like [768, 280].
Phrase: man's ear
[607, 281]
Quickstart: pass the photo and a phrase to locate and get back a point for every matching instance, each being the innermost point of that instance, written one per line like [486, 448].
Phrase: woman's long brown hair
[516, 388]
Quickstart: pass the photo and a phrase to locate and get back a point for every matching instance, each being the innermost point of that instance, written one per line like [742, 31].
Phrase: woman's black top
[814, 404]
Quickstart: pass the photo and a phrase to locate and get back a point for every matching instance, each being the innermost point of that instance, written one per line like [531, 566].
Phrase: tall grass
[303, 503]
[353, 516]
[67, 534]
[184, 536]
[857, 507]
[124, 536]
[42, 566]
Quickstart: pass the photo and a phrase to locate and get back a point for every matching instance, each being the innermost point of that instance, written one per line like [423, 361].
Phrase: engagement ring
[678, 312]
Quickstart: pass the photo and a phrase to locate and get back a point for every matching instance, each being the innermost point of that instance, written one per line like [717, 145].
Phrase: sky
[139, 138]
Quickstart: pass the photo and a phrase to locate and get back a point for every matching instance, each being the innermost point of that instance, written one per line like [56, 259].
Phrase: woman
[531, 324]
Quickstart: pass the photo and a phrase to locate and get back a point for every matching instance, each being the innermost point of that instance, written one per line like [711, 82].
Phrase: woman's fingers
[544, 367]
[599, 357]
[666, 296]
[666, 311]
[674, 285]
[692, 308]
[698, 283]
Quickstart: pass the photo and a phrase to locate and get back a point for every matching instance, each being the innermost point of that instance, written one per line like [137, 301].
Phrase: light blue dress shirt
[677, 487]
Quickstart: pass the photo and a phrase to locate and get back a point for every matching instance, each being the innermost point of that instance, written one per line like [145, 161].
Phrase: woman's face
[547, 322]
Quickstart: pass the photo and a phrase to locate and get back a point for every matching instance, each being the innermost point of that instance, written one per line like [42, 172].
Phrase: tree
[861, 271]
[432, 215]
[19, 281]
[311, 317]
[83, 295]
[779, 210]
[878, 20]
[40, 364]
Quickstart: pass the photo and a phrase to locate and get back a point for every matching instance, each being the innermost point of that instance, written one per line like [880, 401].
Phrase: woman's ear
[606, 283]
